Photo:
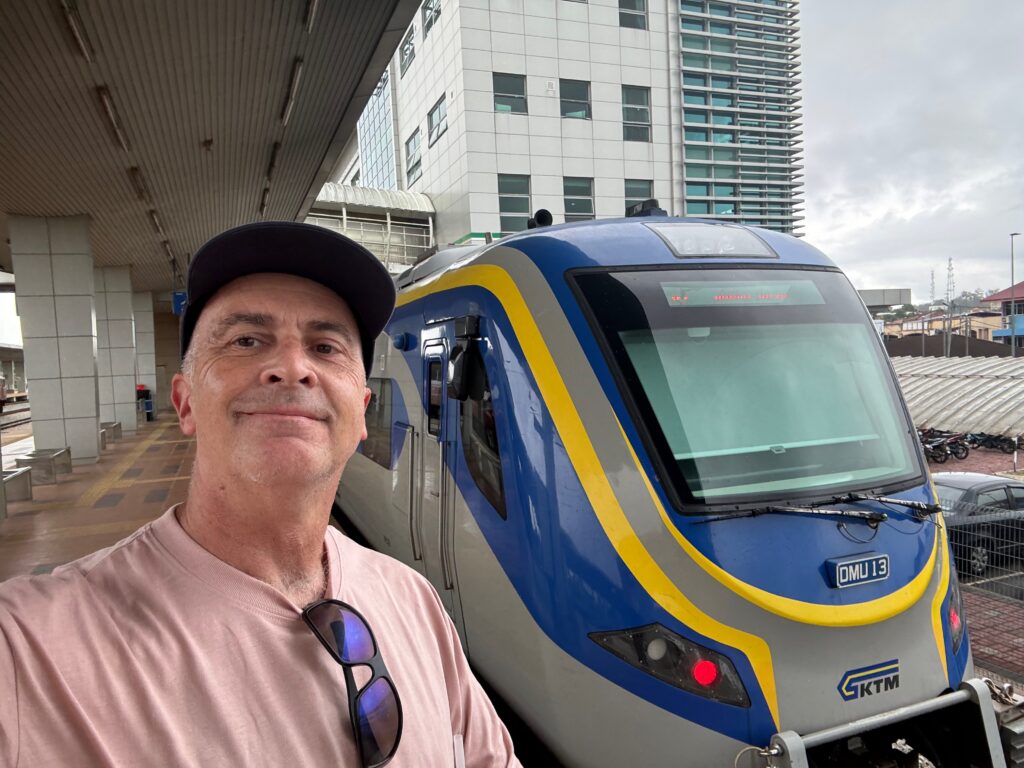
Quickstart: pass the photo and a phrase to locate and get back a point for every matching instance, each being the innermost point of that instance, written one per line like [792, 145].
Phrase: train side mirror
[458, 381]
[464, 360]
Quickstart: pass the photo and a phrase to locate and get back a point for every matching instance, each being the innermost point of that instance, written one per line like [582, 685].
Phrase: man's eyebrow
[241, 318]
[327, 326]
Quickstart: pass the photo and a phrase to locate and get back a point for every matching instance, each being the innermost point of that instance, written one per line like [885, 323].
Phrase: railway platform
[134, 481]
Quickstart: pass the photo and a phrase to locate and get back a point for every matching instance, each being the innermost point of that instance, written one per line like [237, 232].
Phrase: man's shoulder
[67, 585]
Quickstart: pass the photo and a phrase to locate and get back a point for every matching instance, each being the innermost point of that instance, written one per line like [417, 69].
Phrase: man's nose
[289, 364]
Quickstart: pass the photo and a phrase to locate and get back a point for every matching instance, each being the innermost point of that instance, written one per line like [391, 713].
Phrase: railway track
[21, 416]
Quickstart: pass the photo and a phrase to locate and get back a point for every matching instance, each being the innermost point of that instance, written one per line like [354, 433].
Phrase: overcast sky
[914, 139]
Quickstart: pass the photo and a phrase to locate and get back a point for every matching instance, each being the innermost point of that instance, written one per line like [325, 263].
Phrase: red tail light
[705, 672]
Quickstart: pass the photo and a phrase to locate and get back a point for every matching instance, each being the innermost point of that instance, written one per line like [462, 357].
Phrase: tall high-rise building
[495, 108]
[741, 110]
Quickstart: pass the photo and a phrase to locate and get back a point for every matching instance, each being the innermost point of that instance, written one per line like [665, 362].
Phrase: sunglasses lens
[345, 633]
[358, 646]
[378, 712]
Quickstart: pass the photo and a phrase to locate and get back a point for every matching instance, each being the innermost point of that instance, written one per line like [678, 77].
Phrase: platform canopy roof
[964, 394]
[335, 197]
[171, 121]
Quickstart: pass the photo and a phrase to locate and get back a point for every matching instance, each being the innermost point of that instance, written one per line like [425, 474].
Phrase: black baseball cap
[305, 250]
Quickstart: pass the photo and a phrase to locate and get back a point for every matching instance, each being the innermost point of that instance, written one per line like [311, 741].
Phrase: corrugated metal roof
[335, 196]
[199, 89]
[964, 394]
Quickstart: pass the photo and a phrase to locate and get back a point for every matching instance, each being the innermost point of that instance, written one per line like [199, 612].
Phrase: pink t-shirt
[153, 652]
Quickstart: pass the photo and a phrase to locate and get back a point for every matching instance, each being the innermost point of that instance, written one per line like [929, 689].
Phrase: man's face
[276, 391]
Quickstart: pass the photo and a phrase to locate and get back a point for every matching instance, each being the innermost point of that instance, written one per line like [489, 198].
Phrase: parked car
[985, 518]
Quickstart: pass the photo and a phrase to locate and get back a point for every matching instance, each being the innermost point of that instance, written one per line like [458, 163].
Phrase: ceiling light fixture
[311, 9]
[115, 122]
[293, 87]
[70, 9]
[155, 219]
[273, 160]
[139, 183]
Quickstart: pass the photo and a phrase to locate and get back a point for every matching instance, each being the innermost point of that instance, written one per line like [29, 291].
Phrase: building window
[638, 190]
[694, 134]
[575, 97]
[412, 158]
[431, 13]
[694, 116]
[480, 437]
[636, 113]
[354, 181]
[513, 201]
[579, 198]
[509, 93]
[696, 190]
[697, 209]
[377, 445]
[437, 121]
[633, 14]
[407, 51]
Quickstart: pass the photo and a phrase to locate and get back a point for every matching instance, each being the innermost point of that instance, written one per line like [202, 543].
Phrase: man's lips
[285, 413]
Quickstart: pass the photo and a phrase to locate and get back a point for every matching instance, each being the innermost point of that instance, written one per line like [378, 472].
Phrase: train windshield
[753, 384]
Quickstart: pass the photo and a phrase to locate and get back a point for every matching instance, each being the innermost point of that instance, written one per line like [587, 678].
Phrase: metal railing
[988, 552]
[396, 244]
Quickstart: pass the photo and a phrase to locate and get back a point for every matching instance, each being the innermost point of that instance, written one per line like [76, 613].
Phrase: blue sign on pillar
[180, 299]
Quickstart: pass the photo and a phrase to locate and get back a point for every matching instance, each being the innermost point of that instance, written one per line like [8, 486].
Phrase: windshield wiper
[872, 517]
[922, 506]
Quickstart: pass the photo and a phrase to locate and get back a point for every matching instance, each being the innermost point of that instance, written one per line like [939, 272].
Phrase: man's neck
[273, 534]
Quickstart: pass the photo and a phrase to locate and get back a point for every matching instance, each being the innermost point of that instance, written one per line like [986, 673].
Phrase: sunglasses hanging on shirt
[374, 707]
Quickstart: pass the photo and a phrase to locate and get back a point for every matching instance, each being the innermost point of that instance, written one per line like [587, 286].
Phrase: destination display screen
[762, 293]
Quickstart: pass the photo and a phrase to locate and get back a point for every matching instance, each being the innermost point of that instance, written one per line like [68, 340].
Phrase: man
[185, 644]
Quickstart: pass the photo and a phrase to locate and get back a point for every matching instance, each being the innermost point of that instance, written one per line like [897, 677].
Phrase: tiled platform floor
[135, 481]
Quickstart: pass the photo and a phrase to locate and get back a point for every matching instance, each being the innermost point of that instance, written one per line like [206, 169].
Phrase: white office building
[495, 109]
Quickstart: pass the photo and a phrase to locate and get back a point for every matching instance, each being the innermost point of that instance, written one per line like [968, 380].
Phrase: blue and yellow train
[661, 474]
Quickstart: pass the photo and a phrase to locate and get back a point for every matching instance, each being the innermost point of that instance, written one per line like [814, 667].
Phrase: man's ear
[181, 399]
[367, 394]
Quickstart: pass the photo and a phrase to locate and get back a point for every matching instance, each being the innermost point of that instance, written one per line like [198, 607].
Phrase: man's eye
[246, 342]
[325, 349]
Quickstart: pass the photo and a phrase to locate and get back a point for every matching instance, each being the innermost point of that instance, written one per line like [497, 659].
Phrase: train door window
[480, 439]
[434, 398]
[377, 446]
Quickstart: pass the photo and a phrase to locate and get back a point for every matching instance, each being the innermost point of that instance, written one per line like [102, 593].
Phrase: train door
[437, 514]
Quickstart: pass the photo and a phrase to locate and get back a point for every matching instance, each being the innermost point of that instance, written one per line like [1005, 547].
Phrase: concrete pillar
[116, 346]
[145, 346]
[54, 290]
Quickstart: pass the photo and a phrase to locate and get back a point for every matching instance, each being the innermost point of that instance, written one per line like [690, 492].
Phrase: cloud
[914, 148]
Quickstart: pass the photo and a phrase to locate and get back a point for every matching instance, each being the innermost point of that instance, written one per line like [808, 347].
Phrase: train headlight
[662, 653]
[957, 625]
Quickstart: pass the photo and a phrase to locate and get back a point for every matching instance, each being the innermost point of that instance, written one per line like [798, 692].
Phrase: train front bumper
[981, 722]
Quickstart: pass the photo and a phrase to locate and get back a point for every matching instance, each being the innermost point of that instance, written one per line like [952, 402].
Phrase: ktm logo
[869, 681]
